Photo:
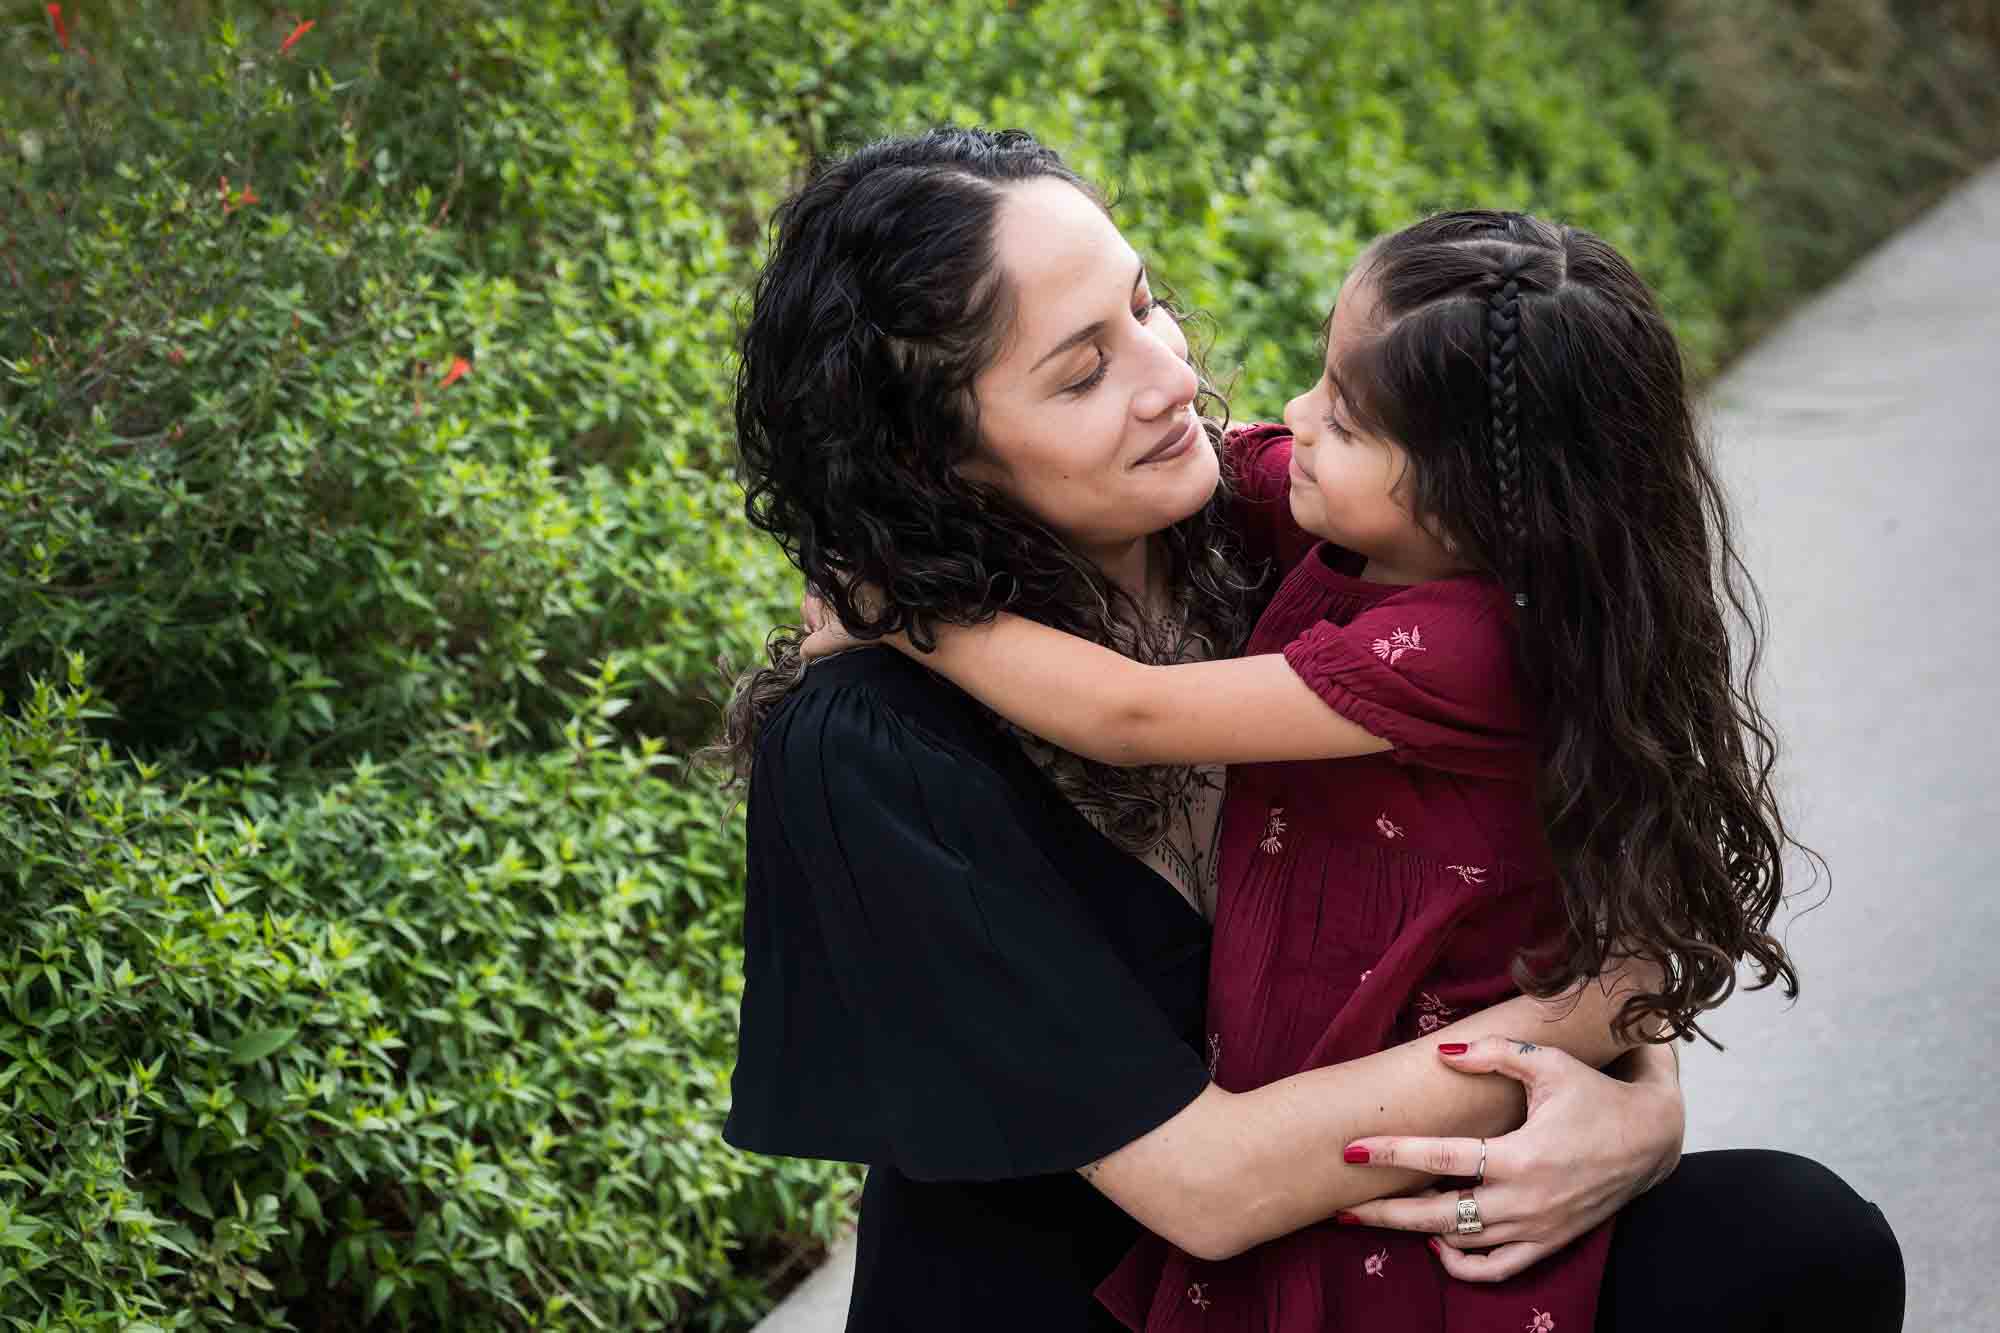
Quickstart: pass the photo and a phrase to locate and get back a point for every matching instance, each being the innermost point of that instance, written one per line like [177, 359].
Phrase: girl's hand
[825, 635]
[1590, 1145]
[815, 613]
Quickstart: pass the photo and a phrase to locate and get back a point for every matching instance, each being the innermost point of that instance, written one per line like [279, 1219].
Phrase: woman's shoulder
[871, 699]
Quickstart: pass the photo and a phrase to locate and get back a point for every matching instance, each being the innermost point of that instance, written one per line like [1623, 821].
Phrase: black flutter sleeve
[923, 985]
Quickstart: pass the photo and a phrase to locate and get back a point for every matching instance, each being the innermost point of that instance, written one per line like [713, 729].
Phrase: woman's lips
[1176, 442]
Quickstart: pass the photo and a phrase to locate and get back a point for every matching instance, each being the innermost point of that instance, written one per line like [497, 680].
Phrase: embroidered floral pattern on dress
[1375, 1263]
[1543, 1322]
[1274, 829]
[1470, 874]
[1198, 1295]
[1214, 1052]
[1432, 1013]
[1388, 827]
[1391, 649]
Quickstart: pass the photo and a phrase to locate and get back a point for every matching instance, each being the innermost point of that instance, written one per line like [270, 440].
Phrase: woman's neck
[1139, 570]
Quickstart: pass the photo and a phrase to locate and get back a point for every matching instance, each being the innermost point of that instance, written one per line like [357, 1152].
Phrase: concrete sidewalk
[1861, 444]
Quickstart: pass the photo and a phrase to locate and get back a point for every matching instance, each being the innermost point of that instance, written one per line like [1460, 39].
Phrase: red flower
[246, 195]
[460, 368]
[284, 48]
[62, 33]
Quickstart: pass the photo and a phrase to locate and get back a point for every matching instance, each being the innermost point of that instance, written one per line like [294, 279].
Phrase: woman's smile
[1173, 444]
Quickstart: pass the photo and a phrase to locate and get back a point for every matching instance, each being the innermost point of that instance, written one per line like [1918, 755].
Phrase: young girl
[1486, 733]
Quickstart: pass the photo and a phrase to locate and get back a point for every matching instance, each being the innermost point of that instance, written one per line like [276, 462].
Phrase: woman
[957, 388]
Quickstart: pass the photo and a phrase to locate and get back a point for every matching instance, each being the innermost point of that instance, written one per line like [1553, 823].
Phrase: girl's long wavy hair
[880, 302]
[1540, 394]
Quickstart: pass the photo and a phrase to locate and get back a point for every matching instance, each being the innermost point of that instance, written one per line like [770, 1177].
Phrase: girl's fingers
[1438, 1157]
[1494, 1265]
[825, 642]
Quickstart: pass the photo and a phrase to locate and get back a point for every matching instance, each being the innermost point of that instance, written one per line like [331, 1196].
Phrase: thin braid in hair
[1503, 345]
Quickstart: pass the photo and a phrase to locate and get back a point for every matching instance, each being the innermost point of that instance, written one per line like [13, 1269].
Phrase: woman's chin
[1193, 477]
[1175, 490]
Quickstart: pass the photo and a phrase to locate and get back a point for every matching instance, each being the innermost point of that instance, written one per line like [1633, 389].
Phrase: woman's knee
[1835, 1249]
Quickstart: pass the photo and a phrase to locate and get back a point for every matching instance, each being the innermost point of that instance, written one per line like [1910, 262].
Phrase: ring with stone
[1468, 1215]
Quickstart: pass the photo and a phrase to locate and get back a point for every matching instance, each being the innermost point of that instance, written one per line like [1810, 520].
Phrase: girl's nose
[1295, 414]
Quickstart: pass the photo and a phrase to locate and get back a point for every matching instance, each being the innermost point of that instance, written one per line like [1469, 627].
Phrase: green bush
[445, 1039]
[1254, 146]
[234, 466]
[371, 956]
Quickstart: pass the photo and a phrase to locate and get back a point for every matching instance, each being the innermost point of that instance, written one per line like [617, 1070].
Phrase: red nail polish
[1451, 1048]
[1437, 1246]
[1355, 1156]
[1347, 1219]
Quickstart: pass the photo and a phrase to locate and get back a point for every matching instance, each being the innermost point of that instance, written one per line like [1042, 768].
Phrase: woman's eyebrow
[1087, 332]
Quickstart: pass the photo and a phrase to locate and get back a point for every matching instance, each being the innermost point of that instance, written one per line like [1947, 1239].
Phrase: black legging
[1752, 1241]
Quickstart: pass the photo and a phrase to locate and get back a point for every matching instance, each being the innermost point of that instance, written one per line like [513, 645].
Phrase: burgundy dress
[1362, 903]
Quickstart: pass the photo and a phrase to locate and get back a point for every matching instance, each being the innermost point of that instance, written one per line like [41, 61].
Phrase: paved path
[1862, 446]
[1861, 442]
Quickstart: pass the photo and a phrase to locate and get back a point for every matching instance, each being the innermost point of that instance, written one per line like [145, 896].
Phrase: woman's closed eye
[1143, 313]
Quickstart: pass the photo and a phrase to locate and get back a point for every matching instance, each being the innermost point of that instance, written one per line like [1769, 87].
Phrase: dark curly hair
[1540, 395]
[879, 304]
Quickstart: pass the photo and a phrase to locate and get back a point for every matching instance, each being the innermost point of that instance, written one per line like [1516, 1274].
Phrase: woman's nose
[1172, 389]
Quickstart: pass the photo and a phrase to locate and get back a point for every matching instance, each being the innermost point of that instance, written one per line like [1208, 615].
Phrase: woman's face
[1086, 417]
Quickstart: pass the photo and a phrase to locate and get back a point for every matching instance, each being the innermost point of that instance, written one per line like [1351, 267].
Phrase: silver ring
[1479, 1176]
[1468, 1215]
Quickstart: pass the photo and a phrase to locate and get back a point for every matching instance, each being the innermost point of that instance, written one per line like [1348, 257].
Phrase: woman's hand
[1590, 1145]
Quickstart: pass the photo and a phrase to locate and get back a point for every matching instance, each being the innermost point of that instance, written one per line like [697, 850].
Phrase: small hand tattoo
[1528, 1047]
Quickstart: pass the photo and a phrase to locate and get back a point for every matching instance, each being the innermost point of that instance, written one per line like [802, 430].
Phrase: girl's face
[1086, 418]
[1349, 486]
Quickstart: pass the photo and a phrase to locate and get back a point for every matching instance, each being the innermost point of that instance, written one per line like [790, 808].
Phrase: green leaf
[379, 1294]
[189, 1192]
[256, 1045]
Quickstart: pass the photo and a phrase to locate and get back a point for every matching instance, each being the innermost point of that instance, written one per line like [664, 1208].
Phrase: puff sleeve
[1431, 670]
[923, 987]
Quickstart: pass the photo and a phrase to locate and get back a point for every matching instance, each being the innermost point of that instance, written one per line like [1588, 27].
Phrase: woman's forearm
[1236, 1169]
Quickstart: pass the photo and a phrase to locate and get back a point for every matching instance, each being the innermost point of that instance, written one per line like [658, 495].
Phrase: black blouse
[951, 976]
